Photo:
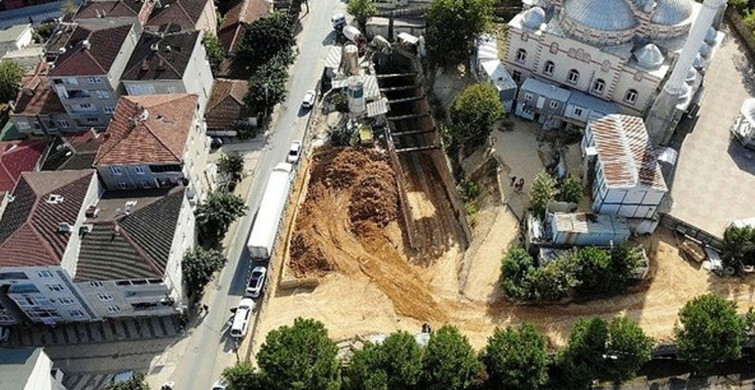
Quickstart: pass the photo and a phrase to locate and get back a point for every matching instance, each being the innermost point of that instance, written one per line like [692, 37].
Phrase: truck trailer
[265, 228]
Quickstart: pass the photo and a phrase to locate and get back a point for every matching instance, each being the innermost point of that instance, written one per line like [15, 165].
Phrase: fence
[685, 228]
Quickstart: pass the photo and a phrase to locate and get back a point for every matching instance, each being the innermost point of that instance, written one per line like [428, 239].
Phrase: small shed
[585, 229]
[490, 68]
[583, 108]
[541, 101]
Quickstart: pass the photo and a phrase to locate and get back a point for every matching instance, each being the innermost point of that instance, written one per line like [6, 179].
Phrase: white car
[294, 153]
[240, 324]
[256, 281]
[309, 99]
[338, 20]
[219, 384]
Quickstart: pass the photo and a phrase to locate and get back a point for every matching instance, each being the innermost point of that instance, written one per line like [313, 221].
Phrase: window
[631, 96]
[95, 284]
[521, 55]
[55, 287]
[66, 301]
[13, 275]
[93, 120]
[122, 185]
[29, 301]
[146, 184]
[23, 125]
[598, 86]
[103, 94]
[105, 297]
[553, 104]
[139, 170]
[109, 109]
[549, 68]
[44, 274]
[528, 96]
[76, 313]
[94, 80]
[517, 76]
[117, 171]
[573, 76]
[165, 168]
[64, 124]
[578, 111]
[113, 309]
[85, 106]
[71, 81]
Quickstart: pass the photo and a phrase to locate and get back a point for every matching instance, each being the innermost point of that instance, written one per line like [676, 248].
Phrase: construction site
[377, 238]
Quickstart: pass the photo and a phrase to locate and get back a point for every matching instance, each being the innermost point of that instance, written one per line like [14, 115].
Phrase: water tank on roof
[355, 93]
[351, 60]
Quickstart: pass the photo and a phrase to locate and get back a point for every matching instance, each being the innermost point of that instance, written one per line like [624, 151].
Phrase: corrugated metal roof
[498, 74]
[378, 107]
[487, 47]
[369, 82]
[590, 223]
[545, 89]
[592, 103]
[333, 60]
[626, 153]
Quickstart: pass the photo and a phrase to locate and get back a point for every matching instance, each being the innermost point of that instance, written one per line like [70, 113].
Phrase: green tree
[452, 26]
[594, 271]
[267, 86]
[550, 282]
[474, 112]
[299, 357]
[232, 166]
[69, 8]
[542, 191]
[241, 376]
[571, 190]
[10, 80]
[136, 383]
[396, 364]
[739, 246]
[216, 214]
[198, 266]
[583, 358]
[44, 31]
[516, 359]
[362, 10]
[709, 331]
[215, 52]
[628, 347]
[514, 267]
[266, 38]
[450, 362]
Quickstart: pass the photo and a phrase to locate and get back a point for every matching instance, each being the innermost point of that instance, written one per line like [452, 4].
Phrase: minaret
[663, 116]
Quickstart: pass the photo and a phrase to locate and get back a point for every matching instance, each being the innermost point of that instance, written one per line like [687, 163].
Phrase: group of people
[518, 185]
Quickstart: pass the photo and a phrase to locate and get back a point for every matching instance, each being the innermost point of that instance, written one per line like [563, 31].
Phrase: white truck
[265, 228]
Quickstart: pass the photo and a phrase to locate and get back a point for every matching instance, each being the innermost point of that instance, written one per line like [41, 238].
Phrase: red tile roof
[17, 157]
[226, 103]
[110, 9]
[105, 43]
[148, 129]
[232, 30]
[161, 56]
[36, 95]
[29, 233]
[185, 13]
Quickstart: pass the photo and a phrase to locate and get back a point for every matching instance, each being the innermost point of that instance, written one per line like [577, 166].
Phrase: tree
[516, 359]
[474, 112]
[299, 357]
[451, 27]
[594, 271]
[242, 377]
[69, 8]
[450, 362]
[198, 266]
[267, 86]
[215, 52]
[571, 190]
[266, 38]
[396, 364]
[739, 246]
[515, 266]
[583, 357]
[550, 282]
[10, 80]
[216, 214]
[44, 31]
[709, 331]
[232, 166]
[135, 383]
[542, 191]
[362, 10]
[630, 346]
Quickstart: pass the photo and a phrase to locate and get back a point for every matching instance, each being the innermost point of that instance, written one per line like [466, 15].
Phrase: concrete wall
[208, 22]
[40, 377]
[198, 75]
[89, 100]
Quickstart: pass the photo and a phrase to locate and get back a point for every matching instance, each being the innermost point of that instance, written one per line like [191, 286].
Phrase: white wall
[40, 377]
[65, 302]
[198, 75]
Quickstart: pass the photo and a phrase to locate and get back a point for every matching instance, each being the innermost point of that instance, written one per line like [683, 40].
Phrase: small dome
[671, 12]
[649, 56]
[691, 75]
[533, 18]
[705, 50]
[710, 37]
[602, 15]
[748, 110]
[700, 62]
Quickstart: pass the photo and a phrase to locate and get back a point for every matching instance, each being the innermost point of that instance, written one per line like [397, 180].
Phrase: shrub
[551, 282]
[739, 246]
[514, 267]
[571, 190]
[542, 191]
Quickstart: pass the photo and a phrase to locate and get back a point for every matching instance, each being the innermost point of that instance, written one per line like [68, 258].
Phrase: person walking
[520, 184]
[513, 181]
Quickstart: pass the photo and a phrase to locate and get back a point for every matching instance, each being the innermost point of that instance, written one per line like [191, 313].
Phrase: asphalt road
[210, 349]
[38, 13]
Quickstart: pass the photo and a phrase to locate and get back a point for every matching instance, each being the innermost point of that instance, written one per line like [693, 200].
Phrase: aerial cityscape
[377, 194]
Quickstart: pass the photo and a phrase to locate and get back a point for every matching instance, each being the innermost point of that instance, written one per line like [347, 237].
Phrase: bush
[739, 246]
[739, 5]
[571, 190]
[542, 191]
[473, 113]
[551, 282]
[198, 267]
[514, 267]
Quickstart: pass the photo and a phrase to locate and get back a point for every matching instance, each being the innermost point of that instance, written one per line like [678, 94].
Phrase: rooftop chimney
[86, 44]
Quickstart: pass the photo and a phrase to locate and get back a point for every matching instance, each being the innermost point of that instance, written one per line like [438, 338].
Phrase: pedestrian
[520, 184]
[513, 181]
[205, 307]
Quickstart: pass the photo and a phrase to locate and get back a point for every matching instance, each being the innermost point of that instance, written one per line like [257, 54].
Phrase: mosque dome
[602, 15]
[649, 56]
[533, 18]
[671, 12]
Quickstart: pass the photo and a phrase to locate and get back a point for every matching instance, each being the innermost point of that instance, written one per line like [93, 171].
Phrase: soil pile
[309, 258]
[375, 198]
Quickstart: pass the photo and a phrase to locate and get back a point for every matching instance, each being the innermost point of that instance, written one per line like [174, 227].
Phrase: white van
[240, 324]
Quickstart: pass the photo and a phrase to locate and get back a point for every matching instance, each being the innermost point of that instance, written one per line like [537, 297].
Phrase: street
[37, 13]
[210, 349]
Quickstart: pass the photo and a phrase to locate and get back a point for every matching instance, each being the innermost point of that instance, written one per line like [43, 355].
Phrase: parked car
[294, 153]
[240, 322]
[219, 384]
[309, 99]
[123, 377]
[216, 142]
[338, 20]
[4, 334]
[256, 281]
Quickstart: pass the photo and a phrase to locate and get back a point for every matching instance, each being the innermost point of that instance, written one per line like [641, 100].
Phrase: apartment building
[183, 15]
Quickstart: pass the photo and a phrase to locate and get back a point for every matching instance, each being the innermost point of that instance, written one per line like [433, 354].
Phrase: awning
[378, 107]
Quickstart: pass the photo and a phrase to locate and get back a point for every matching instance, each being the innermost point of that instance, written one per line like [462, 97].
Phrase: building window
[44, 274]
[66, 301]
[64, 124]
[29, 301]
[553, 105]
[71, 81]
[549, 68]
[631, 96]
[528, 96]
[517, 76]
[23, 125]
[521, 55]
[85, 106]
[13, 275]
[146, 184]
[598, 86]
[55, 287]
[116, 171]
[109, 109]
[105, 297]
[76, 313]
[95, 284]
[93, 120]
[94, 80]
[122, 185]
[578, 111]
[103, 94]
[139, 170]
[573, 76]
[165, 168]
[113, 309]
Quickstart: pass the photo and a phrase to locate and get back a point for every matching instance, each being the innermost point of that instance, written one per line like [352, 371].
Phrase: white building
[625, 174]
[15, 37]
[490, 69]
[28, 369]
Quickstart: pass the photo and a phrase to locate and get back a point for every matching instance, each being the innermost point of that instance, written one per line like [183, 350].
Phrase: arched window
[521, 55]
[631, 96]
[549, 68]
[573, 76]
[598, 86]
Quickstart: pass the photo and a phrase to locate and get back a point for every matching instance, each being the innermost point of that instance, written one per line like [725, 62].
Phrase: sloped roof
[29, 227]
[148, 129]
[110, 9]
[232, 30]
[73, 151]
[140, 249]
[17, 157]
[626, 152]
[161, 58]
[226, 103]
[36, 95]
[185, 13]
[105, 43]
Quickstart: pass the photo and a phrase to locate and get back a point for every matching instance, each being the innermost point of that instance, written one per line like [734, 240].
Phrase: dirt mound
[374, 199]
[341, 167]
[309, 258]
